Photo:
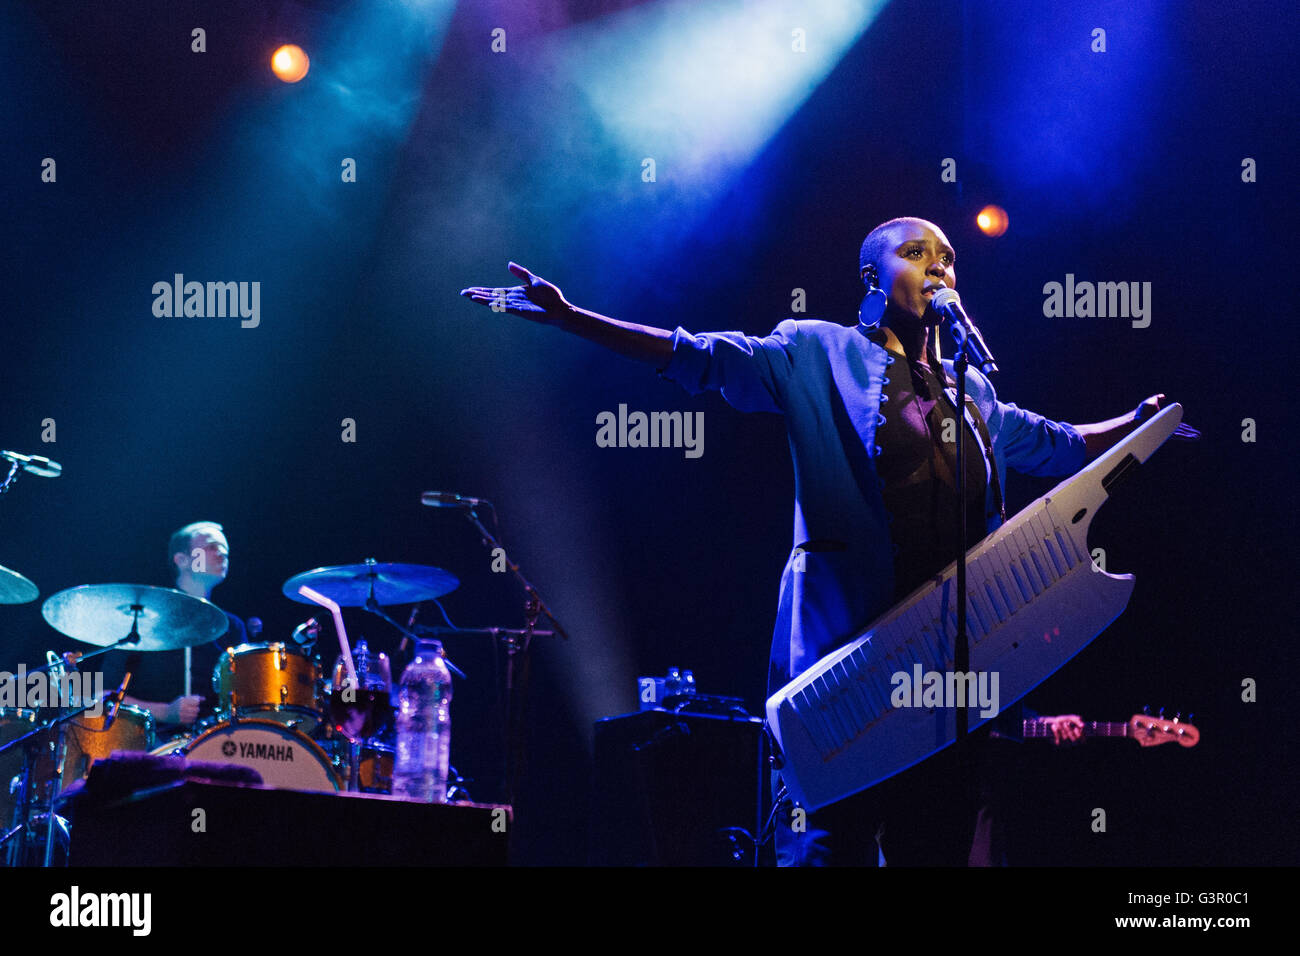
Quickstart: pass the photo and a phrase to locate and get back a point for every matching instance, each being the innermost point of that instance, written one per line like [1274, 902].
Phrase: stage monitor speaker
[678, 789]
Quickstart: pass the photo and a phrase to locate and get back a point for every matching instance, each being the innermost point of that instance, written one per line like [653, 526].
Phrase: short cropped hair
[179, 543]
[876, 246]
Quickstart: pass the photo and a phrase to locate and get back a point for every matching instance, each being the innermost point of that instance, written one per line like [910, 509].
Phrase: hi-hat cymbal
[16, 589]
[351, 585]
[166, 619]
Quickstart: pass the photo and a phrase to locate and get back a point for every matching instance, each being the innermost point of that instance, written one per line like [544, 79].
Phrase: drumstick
[344, 647]
[189, 660]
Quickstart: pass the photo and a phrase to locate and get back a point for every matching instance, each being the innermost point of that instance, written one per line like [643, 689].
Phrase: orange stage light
[290, 63]
[992, 221]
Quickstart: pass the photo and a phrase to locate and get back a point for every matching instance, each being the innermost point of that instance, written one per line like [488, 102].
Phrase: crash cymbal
[351, 585]
[16, 589]
[102, 614]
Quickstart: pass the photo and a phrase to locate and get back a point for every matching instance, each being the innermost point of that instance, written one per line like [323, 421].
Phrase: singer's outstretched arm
[1099, 436]
[540, 301]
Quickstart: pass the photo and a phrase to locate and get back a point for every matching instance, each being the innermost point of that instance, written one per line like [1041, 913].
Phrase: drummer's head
[199, 555]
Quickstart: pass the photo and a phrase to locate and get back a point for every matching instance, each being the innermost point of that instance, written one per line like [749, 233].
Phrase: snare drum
[275, 682]
[285, 758]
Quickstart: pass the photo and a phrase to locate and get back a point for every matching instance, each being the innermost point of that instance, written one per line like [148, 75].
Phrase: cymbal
[102, 614]
[16, 589]
[350, 585]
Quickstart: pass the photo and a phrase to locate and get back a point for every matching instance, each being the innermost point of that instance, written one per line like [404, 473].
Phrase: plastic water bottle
[423, 727]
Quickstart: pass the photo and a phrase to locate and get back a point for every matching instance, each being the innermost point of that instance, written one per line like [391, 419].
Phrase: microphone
[947, 305]
[410, 623]
[447, 499]
[132, 662]
[35, 464]
[307, 631]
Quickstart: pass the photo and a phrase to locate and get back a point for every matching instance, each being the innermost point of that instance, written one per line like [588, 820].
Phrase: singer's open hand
[183, 710]
[536, 299]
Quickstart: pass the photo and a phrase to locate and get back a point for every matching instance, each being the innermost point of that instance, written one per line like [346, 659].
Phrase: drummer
[199, 560]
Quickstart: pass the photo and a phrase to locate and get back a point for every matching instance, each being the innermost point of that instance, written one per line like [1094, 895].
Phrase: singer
[873, 442]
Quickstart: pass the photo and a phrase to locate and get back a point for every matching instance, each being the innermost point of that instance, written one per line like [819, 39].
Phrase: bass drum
[286, 759]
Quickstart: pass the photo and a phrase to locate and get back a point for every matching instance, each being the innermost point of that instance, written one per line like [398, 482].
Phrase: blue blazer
[827, 379]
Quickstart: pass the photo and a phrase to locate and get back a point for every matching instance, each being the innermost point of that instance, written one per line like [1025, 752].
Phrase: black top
[917, 468]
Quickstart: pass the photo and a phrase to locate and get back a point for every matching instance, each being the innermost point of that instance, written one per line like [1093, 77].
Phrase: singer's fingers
[484, 292]
[520, 271]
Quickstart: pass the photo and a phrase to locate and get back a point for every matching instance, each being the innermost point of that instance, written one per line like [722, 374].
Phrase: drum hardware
[359, 714]
[371, 586]
[350, 684]
[33, 741]
[18, 774]
[55, 732]
[367, 765]
[161, 619]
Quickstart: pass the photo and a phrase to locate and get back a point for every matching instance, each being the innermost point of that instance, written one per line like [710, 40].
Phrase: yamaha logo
[228, 748]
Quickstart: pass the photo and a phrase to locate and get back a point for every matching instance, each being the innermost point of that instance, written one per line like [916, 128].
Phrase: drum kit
[275, 711]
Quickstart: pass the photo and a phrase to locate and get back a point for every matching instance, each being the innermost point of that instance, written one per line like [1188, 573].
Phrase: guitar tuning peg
[1177, 716]
[1189, 717]
[1162, 713]
[1146, 708]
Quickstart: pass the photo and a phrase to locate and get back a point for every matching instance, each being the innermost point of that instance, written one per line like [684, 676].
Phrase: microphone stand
[961, 662]
[516, 644]
[27, 783]
[30, 741]
[961, 645]
[132, 637]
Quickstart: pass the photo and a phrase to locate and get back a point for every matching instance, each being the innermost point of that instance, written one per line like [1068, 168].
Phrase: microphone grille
[945, 296]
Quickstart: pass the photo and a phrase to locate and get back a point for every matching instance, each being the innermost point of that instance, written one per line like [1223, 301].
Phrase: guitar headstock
[1152, 731]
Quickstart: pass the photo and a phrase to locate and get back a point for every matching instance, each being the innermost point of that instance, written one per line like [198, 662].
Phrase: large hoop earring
[872, 308]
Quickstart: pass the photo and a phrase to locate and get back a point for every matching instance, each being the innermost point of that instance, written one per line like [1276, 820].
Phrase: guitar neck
[1091, 728]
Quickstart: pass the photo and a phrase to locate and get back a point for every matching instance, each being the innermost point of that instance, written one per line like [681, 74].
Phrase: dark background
[1123, 166]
